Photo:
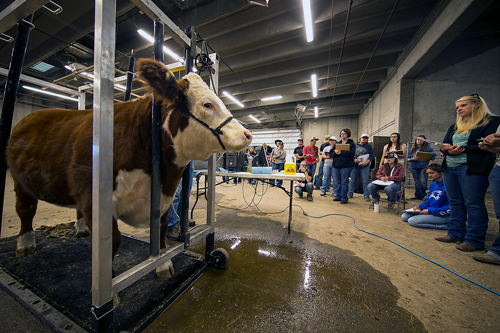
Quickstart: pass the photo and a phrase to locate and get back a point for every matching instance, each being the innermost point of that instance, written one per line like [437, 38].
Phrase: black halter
[217, 132]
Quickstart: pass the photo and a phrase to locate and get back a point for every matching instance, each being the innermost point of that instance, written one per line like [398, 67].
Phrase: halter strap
[217, 131]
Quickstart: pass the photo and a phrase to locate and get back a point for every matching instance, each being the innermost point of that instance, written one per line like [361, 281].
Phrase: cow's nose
[248, 135]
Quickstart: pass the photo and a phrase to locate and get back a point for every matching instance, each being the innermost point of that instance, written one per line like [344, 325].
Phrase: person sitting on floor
[435, 211]
[389, 177]
[304, 184]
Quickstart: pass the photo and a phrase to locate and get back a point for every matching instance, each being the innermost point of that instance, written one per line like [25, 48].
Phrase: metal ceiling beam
[154, 12]
[17, 11]
[42, 83]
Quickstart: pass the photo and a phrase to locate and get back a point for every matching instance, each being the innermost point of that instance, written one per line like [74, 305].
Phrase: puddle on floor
[287, 286]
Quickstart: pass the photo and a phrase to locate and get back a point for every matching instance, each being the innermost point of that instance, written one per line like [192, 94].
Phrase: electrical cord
[393, 242]
[354, 223]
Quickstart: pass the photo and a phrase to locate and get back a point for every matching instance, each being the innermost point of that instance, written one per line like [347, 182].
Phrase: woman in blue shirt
[417, 167]
[434, 212]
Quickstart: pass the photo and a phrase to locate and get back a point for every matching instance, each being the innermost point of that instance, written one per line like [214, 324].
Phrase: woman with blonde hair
[466, 168]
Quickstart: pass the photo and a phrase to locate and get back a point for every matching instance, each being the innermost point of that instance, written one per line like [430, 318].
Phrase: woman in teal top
[466, 168]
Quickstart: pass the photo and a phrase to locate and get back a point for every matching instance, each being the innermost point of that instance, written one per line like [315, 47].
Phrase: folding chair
[401, 195]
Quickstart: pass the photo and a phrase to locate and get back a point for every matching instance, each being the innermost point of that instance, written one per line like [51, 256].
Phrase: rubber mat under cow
[60, 272]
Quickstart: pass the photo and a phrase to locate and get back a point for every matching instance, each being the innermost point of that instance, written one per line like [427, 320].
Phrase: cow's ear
[158, 77]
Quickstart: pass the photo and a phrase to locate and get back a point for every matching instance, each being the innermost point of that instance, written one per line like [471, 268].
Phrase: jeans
[177, 204]
[468, 216]
[365, 176]
[428, 221]
[319, 180]
[420, 178]
[328, 176]
[309, 189]
[312, 169]
[342, 175]
[495, 194]
[390, 190]
[280, 167]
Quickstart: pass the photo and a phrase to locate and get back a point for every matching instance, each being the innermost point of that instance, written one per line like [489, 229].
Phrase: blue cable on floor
[449, 270]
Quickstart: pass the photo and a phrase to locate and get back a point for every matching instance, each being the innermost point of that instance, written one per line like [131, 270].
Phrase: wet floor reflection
[287, 287]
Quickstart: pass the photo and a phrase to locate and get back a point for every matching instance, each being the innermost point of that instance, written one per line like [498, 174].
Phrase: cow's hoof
[165, 271]
[81, 228]
[82, 234]
[25, 252]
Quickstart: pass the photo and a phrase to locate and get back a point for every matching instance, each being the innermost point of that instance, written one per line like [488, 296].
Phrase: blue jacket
[438, 203]
[420, 164]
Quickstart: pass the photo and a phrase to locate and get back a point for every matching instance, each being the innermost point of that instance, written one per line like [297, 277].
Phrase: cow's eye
[207, 105]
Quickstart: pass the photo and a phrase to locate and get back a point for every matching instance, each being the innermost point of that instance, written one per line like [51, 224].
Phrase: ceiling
[263, 50]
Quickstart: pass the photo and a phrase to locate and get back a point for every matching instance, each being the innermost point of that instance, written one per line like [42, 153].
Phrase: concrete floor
[429, 295]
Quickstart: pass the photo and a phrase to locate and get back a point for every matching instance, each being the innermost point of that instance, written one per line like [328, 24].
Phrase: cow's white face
[196, 142]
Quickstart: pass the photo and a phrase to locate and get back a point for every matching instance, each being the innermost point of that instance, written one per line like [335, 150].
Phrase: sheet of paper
[381, 183]
[363, 158]
[410, 210]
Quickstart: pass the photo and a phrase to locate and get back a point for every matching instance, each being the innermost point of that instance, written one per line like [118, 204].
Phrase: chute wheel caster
[219, 258]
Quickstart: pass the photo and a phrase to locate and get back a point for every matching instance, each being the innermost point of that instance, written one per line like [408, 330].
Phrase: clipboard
[342, 147]
[424, 156]
[400, 153]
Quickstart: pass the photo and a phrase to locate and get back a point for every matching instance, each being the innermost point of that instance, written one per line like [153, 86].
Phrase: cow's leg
[117, 238]
[166, 270]
[26, 209]
[81, 227]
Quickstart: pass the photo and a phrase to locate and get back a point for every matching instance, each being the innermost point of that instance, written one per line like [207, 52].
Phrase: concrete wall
[426, 104]
[329, 126]
[449, 77]
[381, 114]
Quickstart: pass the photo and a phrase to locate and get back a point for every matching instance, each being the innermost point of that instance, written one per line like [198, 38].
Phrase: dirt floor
[442, 301]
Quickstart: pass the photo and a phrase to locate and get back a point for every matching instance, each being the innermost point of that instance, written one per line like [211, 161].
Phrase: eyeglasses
[393, 136]
[477, 96]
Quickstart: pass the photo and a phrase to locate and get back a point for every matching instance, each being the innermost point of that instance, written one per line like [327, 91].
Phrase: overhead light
[165, 49]
[264, 3]
[119, 86]
[306, 5]
[87, 75]
[51, 93]
[314, 85]
[257, 120]
[271, 98]
[316, 112]
[228, 95]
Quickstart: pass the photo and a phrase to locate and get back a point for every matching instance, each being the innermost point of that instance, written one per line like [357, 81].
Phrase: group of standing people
[456, 196]
[341, 159]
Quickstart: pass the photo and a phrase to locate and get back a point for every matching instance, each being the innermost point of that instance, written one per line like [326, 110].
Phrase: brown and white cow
[50, 151]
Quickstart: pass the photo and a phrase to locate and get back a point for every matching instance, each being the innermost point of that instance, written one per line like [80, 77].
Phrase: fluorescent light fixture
[264, 3]
[50, 93]
[271, 98]
[165, 49]
[119, 86]
[228, 95]
[257, 120]
[306, 5]
[87, 75]
[314, 85]
[316, 112]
